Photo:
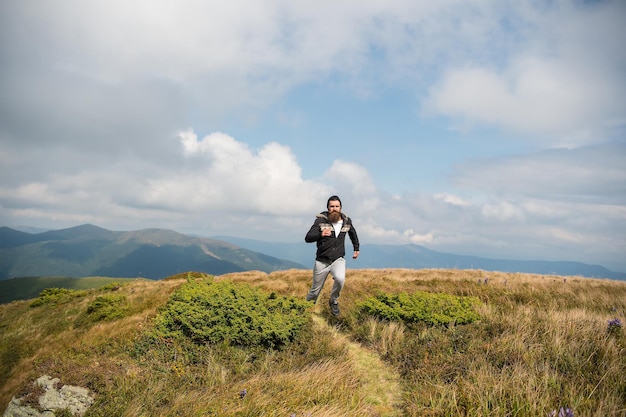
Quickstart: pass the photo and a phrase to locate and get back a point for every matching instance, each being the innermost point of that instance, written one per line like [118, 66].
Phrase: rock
[74, 399]
[16, 409]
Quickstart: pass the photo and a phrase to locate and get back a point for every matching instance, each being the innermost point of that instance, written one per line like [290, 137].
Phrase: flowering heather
[563, 412]
[614, 325]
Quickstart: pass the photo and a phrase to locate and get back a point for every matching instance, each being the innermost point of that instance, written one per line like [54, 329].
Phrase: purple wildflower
[243, 393]
[614, 325]
[615, 322]
[563, 412]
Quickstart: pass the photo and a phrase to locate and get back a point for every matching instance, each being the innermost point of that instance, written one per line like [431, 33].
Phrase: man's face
[334, 206]
[334, 210]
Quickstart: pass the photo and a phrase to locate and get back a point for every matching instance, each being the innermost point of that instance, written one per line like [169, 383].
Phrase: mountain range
[418, 257]
[89, 250]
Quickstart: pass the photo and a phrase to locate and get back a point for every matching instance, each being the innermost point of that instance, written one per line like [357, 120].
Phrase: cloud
[561, 86]
[586, 174]
[230, 176]
[250, 54]
[451, 199]
[350, 176]
[525, 67]
[211, 176]
[554, 100]
[503, 211]
[247, 54]
[417, 238]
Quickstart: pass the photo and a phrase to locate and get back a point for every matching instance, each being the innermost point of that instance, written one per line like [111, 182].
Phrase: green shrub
[107, 308]
[55, 296]
[113, 286]
[429, 308]
[230, 313]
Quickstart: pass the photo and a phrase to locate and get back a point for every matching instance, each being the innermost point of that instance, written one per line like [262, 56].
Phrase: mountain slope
[10, 238]
[89, 250]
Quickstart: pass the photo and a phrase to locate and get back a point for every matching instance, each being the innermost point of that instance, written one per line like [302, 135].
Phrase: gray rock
[16, 409]
[74, 399]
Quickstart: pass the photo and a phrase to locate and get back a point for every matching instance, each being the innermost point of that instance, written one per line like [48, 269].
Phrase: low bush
[112, 286]
[421, 306]
[235, 314]
[56, 296]
[107, 307]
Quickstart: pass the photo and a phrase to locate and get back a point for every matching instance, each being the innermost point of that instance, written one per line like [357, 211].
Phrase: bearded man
[329, 232]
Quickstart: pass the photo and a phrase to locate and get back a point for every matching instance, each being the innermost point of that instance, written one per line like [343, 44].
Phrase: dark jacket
[330, 248]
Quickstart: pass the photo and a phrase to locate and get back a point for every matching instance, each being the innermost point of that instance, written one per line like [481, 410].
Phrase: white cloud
[350, 177]
[230, 176]
[451, 199]
[376, 233]
[585, 174]
[503, 211]
[550, 99]
[523, 67]
[560, 86]
[418, 239]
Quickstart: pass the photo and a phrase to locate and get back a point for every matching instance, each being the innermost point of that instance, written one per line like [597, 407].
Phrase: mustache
[334, 216]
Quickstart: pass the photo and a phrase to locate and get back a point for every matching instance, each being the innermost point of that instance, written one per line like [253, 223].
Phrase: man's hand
[355, 254]
[326, 232]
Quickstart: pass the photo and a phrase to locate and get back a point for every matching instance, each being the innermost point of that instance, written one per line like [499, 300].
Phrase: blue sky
[489, 128]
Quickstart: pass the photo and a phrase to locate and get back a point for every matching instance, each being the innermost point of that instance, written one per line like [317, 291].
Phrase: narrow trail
[381, 383]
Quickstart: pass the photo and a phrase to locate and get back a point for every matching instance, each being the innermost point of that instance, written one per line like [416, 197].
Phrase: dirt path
[381, 383]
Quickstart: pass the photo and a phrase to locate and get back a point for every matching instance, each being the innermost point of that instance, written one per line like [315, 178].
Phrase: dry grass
[541, 344]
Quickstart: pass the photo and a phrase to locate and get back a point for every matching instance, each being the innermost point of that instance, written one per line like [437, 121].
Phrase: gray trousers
[320, 272]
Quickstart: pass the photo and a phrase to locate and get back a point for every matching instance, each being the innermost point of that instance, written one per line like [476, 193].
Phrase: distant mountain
[418, 257]
[89, 250]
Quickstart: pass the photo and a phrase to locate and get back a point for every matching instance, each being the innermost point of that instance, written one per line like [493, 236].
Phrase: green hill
[408, 343]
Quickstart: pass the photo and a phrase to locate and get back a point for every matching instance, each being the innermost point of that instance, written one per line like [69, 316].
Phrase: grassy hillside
[531, 345]
[29, 287]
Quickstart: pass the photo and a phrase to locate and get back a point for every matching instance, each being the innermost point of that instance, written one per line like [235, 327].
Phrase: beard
[334, 216]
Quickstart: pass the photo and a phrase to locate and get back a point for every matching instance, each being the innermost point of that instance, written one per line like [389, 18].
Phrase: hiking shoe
[334, 308]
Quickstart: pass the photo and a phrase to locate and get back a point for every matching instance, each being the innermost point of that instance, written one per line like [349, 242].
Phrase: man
[329, 232]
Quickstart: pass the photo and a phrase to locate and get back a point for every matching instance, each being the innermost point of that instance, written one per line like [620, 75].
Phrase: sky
[494, 128]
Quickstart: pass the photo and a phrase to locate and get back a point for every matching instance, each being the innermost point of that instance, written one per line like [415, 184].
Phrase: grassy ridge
[541, 343]
[29, 287]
